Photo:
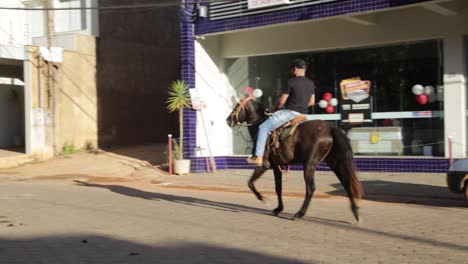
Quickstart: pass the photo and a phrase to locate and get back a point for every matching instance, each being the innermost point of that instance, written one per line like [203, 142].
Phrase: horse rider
[294, 99]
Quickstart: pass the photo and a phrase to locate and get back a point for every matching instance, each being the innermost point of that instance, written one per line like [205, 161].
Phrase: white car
[457, 177]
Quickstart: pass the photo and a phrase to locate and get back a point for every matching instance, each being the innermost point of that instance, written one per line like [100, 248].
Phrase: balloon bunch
[328, 103]
[256, 93]
[424, 94]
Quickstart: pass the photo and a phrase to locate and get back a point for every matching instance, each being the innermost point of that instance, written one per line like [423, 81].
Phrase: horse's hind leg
[309, 177]
[341, 173]
[259, 171]
[279, 189]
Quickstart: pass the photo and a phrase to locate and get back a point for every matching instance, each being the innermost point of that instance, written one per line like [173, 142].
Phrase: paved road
[69, 222]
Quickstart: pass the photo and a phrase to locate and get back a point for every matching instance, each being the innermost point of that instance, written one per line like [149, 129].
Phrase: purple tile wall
[187, 39]
[434, 165]
[204, 25]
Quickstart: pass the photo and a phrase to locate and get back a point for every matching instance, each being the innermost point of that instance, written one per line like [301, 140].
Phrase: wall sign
[265, 3]
[197, 102]
[356, 106]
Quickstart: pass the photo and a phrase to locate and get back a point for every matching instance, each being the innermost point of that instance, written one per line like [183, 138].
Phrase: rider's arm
[281, 102]
[312, 101]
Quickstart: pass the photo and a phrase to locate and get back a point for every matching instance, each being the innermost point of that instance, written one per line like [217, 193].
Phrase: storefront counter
[376, 140]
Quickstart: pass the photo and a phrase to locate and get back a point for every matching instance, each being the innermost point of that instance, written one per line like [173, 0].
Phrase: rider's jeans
[273, 122]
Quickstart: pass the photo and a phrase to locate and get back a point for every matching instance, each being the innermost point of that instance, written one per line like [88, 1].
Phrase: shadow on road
[409, 193]
[123, 190]
[92, 249]
[127, 191]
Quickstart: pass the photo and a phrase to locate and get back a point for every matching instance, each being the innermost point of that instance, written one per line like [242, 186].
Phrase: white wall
[391, 27]
[83, 21]
[65, 21]
[12, 25]
[455, 95]
[218, 96]
[397, 26]
[18, 27]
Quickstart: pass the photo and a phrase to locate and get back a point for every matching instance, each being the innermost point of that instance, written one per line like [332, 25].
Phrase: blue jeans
[273, 122]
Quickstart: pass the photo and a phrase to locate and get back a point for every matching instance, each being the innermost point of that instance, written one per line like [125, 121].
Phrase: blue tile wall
[435, 165]
[187, 37]
[204, 25]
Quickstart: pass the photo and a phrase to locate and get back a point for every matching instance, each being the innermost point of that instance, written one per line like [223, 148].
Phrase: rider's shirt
[299, 89]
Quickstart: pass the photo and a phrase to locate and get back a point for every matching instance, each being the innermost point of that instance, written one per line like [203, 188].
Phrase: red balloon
[327, 96]
[330, 109]
[387, 122]
[422, 99]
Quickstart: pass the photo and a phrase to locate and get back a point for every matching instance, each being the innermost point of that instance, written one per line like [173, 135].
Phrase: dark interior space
[138, 54]
[12, 114]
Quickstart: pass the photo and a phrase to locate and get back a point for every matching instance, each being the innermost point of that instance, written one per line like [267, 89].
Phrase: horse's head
[246, 112]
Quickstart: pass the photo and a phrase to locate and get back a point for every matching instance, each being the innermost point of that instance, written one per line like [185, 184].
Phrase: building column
[187, 41]
[27, 69]
[455, 95]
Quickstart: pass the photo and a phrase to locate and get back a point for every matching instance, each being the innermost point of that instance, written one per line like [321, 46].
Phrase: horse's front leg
[259, 171]
[279, 189]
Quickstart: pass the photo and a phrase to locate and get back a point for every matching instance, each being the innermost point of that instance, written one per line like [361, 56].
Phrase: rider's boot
[255, 160]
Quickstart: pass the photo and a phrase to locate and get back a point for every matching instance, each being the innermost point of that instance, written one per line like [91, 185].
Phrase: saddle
[286, 130]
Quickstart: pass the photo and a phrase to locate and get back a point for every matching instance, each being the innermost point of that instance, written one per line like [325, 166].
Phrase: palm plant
[178, 99]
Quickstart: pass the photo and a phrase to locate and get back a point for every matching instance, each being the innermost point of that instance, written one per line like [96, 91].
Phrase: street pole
[51, 72]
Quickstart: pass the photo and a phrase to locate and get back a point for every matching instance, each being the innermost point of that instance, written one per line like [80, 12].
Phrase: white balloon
[334, 102]
[418, 89]
[257, 93]
[323, 104]
[429, 90]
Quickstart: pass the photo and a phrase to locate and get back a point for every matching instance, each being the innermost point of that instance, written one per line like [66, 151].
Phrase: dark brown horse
[313, 142]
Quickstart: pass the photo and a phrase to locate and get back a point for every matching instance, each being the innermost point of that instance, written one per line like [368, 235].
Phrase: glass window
[69, 20]
[393, 71]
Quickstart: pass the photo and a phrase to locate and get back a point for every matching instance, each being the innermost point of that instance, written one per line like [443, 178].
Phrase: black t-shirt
[299, 89]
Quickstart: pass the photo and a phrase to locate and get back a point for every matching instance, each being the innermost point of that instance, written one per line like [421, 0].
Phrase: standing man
[295, 99]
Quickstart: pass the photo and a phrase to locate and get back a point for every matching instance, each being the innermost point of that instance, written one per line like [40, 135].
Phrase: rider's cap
[299, 64]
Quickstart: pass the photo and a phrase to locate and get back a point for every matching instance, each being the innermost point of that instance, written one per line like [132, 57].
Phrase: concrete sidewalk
[138, 165]
[417, 188]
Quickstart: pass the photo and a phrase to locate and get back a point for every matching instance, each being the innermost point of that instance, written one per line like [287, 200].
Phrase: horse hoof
[298, 215]
[277, 211]
[356, 213]
[357, 218]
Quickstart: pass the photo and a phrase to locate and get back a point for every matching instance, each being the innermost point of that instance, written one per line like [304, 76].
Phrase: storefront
[412, 55]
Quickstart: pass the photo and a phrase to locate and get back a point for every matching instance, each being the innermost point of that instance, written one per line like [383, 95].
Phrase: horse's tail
[341, 162]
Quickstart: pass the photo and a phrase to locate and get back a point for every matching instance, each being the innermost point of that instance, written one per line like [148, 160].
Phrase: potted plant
[178, 99]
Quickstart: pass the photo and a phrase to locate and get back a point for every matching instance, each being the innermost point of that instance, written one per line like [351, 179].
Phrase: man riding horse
[294, 100]
[308, 144]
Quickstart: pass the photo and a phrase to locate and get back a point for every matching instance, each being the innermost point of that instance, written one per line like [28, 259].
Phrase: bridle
[235, 113]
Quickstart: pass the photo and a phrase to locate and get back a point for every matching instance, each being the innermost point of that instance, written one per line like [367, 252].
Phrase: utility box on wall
[376, 140]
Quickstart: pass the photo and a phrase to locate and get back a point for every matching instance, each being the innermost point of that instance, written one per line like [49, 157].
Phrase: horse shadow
[409, 193]
[192, 201]
[186, 200]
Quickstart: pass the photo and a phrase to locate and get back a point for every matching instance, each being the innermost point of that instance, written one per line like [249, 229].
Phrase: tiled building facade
[230, 30]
